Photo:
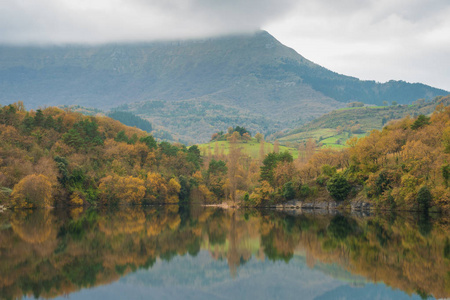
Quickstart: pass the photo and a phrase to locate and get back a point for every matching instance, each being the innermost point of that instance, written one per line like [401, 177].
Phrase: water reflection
[54, 253]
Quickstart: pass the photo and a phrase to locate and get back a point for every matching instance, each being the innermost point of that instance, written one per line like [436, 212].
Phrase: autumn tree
[32, 191]
[216, 177]
[234, 156]
[262, 153]
[276, 146]
[259, 137]
[115, 190]
[156, 188]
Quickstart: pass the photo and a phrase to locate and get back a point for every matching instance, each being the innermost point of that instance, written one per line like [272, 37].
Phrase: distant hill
[335, 128]
[192, 88]
[130, 119]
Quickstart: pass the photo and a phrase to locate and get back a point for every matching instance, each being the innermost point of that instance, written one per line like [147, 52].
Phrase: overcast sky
[370, 39]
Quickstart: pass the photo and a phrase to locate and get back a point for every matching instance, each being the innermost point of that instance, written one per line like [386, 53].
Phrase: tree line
[58, 157]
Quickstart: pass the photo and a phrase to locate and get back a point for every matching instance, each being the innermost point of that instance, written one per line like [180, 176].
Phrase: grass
[250, 148]
[327, 137]
[325, 128]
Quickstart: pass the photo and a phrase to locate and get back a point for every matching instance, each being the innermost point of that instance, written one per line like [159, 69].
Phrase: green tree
[288, 191]
[194, 156]
[39, 118]
[73, 139]
[149, 141]
[83, 135]
[420, 122]
[270, 162]
[383, 182]
[446, 173]
[241, 130]
[121, 137]
[338, 187]
[424, 198]
[168, 149]
[217, 167]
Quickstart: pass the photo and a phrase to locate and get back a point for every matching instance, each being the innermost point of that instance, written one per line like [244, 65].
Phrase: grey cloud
[407, 39]
[373, 39]
[61, 21]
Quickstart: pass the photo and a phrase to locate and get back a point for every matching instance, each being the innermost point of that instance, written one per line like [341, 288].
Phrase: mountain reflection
[46, 253]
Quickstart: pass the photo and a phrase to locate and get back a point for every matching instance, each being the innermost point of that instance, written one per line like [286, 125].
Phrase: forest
[53, 157]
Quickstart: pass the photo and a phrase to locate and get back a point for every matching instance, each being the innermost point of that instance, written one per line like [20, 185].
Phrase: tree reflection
[33, 226]
[341, 227]
[47, 253]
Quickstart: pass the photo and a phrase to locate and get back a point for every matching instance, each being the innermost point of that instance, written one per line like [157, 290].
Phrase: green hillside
[335, 128]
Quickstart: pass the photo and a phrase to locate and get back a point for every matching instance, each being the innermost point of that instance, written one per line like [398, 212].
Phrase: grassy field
[335, 128]
[251, 148]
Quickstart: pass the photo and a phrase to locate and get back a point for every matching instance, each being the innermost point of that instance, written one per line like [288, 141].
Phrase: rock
[321, 205]
[332, 205]
[361, 205]
[308, 205]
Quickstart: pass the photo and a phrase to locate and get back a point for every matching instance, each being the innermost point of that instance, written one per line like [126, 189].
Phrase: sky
[369, 39]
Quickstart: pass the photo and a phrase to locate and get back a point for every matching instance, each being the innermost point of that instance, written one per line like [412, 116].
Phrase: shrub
[338, 187]
[288, 191]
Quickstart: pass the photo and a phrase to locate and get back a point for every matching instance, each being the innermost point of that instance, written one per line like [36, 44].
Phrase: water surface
[176, 252]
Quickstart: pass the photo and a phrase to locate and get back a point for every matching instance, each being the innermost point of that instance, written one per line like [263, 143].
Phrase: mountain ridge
[254, 74]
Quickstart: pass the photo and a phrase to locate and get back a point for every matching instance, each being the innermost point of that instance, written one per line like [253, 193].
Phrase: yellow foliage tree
[173, 187]
[32, 191]
[262, 193]
[124, 190]
[156, 187]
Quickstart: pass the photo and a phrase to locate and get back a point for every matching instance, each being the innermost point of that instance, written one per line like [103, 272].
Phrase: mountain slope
[254, 74]
[336, 127]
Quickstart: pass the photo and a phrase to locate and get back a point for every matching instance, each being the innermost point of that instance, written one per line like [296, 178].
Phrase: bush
[305, 191]
[288, 191]
[338, 187]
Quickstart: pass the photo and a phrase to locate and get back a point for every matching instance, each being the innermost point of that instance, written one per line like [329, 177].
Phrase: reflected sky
[201, 277]
[206, 253]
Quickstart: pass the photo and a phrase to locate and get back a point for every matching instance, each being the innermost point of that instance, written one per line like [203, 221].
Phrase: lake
[173, 252]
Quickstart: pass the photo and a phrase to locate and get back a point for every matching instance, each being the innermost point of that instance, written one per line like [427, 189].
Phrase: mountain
[192, 88]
